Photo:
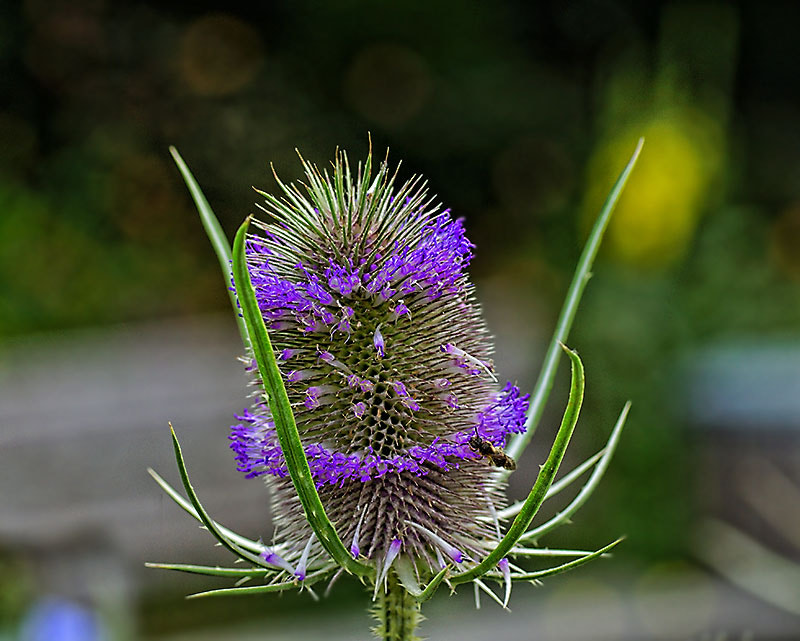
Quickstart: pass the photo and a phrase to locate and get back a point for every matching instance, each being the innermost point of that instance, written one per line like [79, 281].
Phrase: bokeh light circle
[219, 55]
[388, 84]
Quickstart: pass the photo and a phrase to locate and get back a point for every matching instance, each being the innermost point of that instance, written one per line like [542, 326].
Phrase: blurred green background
[520, 115]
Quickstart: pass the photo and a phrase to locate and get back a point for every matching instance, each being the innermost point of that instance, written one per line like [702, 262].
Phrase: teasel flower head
[376, 418]
[386, 359]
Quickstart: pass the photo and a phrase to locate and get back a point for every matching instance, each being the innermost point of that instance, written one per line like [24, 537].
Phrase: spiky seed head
[386, 359]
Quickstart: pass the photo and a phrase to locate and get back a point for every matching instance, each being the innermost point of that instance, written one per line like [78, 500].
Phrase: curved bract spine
[283, 416]
[545, 478]
[583, 272]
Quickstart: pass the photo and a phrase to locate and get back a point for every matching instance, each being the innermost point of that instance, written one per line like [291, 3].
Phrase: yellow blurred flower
[658, 213]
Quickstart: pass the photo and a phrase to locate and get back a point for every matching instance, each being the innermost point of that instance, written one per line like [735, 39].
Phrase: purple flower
[387, 364]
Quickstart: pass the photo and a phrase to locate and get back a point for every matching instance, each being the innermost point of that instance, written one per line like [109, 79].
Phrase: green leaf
[555, 488]
[547, 552]
[427, 593]
[565, 567]
[206, 520]
[210, 570]
[543, 481]
[486, 590]
[544, 383]
[247, 544]
[587, 490]
[215, 234]
[569, 479]
[259, 589]
[285, 425]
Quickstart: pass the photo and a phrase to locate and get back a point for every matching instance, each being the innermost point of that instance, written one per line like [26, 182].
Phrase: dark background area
[520, 115]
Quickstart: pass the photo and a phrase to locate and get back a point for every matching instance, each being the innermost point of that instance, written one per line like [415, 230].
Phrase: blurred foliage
[500, 105]
[16, 588]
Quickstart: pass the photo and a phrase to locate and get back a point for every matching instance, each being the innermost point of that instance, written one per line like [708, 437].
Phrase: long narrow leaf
[543, 481]
[259, 589]
[208, 570]
[285, 425]
[215, 234]
[427, 593]
[532, 576]
[547, 552]
[247, 544]
[206, 520]
[487, 590]
[586, 490]
[561, 484]
[544, 383]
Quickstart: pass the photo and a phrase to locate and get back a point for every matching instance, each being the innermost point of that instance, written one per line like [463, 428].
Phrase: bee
[493, 454]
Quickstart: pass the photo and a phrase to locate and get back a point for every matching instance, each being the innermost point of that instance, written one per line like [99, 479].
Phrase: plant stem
[398, 613]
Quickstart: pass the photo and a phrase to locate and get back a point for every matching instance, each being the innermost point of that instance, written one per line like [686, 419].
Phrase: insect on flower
[382, 406]
[495, 455]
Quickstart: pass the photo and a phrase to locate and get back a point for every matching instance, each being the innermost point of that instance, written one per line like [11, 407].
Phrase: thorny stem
[398, 613]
